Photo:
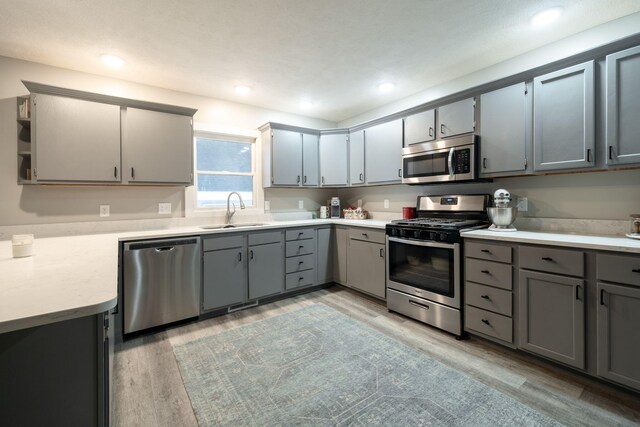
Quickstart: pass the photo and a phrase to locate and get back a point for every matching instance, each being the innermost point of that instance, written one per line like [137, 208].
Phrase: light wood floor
[149, 390]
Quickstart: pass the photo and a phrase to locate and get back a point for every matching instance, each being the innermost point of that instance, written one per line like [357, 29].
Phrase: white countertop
[603, 243]
[71, 277]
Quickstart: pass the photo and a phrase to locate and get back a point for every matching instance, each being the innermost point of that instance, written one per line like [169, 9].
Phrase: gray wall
[610, 195]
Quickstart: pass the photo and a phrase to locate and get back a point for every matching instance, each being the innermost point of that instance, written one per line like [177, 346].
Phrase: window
[224, 164]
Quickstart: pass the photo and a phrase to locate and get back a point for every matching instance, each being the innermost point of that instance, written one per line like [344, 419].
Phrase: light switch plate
[523, 204]
[267, 205]
[164, 208]
[386, 204]
[300, 204]
[104, 211]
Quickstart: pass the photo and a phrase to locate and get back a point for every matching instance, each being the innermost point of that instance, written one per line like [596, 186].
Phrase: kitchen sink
[221, 226]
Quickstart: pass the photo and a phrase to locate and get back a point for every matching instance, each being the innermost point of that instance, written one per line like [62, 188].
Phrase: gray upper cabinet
[309, 160]
[266, 270]
[286, 167]
[75, 140]
[157, 147]
[552, 316]
[420, 127]
[383, 153]
[456, 118]
[334, 160]
[623, 107]
[356, 158]
[504, 134]
[564, 120]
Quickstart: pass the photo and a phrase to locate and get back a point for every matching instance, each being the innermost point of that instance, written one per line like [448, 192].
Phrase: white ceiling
[331, 52]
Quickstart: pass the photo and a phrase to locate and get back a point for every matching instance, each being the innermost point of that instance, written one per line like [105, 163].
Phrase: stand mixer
[502, 215]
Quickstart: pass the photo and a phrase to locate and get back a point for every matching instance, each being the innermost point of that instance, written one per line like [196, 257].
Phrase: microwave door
[430, 166]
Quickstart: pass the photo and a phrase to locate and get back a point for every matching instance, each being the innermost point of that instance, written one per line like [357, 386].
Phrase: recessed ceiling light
[386, 87]
[243, 90]
[112, 61]
[546, 17]
[306, 104]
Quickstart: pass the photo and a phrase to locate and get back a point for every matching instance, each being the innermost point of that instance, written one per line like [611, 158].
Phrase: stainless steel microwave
[447, 160]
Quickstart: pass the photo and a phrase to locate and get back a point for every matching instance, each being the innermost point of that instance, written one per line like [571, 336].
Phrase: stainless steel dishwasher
[161, 282]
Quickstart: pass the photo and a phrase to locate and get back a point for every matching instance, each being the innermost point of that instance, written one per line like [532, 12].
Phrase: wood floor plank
[149, 390]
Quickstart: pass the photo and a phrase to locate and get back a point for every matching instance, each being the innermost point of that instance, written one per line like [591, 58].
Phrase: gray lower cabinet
[356, 158]
[157, 147]
[456, 118]
[552, 316]
[419, 127]
[564, 119]
[300, 263]
[383, 153]
[266, 270]
[57, 374]
[326, 243]
[224, 278]
[340, 254]
[623, 107]
[334, 160]
[75, 140]
[366, 267]
[505, 130]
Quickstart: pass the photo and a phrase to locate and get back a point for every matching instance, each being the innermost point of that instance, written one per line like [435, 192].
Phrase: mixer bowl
[502, 217]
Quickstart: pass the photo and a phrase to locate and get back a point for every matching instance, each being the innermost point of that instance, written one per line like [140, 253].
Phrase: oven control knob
[417, 234]
[443, 237]
[433, 236]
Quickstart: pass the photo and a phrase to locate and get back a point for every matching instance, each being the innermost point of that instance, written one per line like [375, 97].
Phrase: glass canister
[635, 224]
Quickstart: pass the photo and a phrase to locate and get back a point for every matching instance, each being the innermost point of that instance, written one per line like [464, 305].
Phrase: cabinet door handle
[239, 256]
[442, 128]
[305, 179]
[298, 179]
[486, 251]
[484, 163]
[485, 272]
[611, 152]
[636, 270]
[361, 177]
[588, 155]
[578, 292]
[381, 253]
[399, 173]
[115, 172]
[601, 296]
[323, 180]
[486, 322]
[486, 297]
[250, 254]
[430, 130]
[546, 258]
[133, 173]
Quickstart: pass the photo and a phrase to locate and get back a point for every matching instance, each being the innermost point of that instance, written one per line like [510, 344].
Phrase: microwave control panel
[463, 161]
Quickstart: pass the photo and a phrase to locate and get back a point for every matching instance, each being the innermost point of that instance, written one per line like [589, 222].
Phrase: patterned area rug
[318, 367]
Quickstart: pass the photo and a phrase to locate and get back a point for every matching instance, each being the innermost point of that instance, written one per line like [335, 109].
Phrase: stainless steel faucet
[229, 213]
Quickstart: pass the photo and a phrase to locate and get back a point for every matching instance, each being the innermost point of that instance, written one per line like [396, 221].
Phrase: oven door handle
[450, 162]
[421, 243]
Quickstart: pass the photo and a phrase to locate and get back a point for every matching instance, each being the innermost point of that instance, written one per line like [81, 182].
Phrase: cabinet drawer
[296, 280]
[488, 323]
[300, 234]
[302, 247]
[619, 269]
[264, 238]
[487, 251]
[488, 273]
[488, 298]
[226, 242]
[299, 263]
[560, 261]
[367, 235]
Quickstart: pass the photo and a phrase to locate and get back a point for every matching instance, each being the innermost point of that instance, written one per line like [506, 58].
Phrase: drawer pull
[365, 235]
[300, 247]
[485, 272]
[486, 322]
[422, 306]
[300, 278]
[487, 297]
[486, 251]
[301, 234]
[546, 258]
[300, 262]
[636, 270]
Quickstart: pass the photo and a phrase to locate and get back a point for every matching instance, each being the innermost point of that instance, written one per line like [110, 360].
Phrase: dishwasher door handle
[165, 249]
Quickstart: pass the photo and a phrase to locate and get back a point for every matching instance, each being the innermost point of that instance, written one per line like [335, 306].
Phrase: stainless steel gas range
[424, 267]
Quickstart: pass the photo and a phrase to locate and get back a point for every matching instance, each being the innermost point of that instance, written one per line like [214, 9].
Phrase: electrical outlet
[267, 205]
[104, 211]
[523, 204]
[386, 204]
[300, 204]
[164, 208]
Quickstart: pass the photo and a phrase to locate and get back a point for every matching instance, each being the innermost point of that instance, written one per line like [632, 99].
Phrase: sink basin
[221, 226]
